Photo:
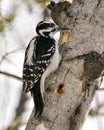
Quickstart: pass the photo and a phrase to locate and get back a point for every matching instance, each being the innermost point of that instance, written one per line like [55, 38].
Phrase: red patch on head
[40, 23]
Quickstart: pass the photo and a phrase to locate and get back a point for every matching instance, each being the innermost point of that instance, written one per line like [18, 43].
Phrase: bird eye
[52, 25]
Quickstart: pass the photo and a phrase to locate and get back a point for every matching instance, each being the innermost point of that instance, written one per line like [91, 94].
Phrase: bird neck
[46, 36]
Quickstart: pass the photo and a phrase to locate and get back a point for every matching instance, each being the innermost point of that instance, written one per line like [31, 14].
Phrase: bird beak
[61, 28]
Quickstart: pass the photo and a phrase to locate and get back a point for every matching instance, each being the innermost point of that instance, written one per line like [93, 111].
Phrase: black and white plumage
[41, 58]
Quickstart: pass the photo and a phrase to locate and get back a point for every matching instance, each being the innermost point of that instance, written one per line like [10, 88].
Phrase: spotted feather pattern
[37, 61]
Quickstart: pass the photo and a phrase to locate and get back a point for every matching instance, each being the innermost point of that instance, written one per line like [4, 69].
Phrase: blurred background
[18, 20]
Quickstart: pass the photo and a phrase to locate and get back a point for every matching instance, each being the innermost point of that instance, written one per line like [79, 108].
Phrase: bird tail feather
[38, 100]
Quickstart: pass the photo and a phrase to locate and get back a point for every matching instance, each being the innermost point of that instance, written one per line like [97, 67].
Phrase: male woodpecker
[41, 59]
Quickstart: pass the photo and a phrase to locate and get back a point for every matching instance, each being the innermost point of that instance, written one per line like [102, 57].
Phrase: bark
[78, 76]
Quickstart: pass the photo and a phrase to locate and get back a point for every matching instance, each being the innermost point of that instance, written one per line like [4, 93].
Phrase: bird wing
[35, 63]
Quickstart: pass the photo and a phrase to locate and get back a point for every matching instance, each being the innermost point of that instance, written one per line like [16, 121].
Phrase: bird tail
[38, 100]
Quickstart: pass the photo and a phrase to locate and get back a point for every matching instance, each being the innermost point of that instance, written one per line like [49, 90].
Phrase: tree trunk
[78, 76]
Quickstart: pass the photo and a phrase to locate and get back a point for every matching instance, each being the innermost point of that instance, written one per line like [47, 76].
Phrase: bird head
[48, 29]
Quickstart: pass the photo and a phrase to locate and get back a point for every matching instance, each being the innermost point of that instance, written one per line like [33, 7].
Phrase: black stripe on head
[44, 25]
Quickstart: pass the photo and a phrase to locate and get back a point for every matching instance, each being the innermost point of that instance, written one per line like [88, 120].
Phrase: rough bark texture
[80, 69]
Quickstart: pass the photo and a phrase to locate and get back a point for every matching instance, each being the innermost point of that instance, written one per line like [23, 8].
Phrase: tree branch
[11, 75]
[79, 75]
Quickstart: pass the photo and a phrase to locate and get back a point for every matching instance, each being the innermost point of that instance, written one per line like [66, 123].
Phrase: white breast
[54, 63]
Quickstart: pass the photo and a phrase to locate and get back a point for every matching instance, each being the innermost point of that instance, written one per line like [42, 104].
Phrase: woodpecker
[41, 59]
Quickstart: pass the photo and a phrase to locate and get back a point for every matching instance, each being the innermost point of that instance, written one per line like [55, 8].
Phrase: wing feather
[34, 64]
